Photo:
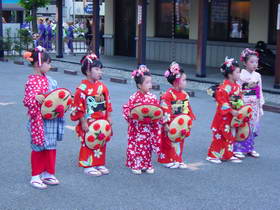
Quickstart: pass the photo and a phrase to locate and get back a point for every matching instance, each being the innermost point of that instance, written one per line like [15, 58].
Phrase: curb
[4, 60]
[189, 79]
[156, 87]
[71, 72]
[118, 80]
[54, 69]
[19, 62]
[271, 108]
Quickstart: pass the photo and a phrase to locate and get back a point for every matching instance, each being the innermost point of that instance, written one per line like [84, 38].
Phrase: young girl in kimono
[174, 102]
[226, 95]
[143, 136]
[44, 133]
[251, 83]
[91, 103]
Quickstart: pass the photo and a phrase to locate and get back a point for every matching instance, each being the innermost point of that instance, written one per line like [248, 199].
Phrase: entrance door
[125, 27]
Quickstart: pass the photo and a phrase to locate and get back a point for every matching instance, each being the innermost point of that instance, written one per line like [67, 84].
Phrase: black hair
[226, 70]
[35, 56]
[246, 58]
[87, 65]
[171, 78]
[139, 79]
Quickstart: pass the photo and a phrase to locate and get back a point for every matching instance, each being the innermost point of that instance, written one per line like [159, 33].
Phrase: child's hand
[234, 113]
[85, 126]
[40, 98]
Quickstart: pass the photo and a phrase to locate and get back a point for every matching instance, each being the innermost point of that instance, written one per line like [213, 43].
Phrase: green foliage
[7, 41]
[29, 4]
[23, 42]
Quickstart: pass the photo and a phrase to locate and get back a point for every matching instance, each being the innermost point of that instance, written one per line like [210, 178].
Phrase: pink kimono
[254, 97]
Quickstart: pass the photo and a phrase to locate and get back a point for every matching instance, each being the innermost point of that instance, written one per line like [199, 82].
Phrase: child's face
[235, 76]
[252, 63]
[45, 67]
[95, 73]
[181, 83]
[146, 86]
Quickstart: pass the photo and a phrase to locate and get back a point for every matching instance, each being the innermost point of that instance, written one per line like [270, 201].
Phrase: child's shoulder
[151, 95]
[258, 75]
[33, 78]
[134, 95]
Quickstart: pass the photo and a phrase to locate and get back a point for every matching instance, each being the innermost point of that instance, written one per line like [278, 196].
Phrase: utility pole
[142, 31]
[95, 27]
[202, 38]
[59, 29]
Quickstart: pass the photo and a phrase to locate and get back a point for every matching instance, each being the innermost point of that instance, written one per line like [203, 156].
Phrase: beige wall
[151, 17]
[259, 21]
[194, 19]
[109, 17]
[258, 27]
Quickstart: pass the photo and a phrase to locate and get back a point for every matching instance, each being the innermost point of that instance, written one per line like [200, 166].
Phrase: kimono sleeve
[165, 103]
[29, 101]
[79, 105]
[222, 99]
[191, 114]
[262, 101]
[108, 100]
[126, 109]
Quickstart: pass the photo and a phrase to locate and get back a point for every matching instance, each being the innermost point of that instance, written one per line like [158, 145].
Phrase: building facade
[12, 12]
[77, 10]
[172, 28]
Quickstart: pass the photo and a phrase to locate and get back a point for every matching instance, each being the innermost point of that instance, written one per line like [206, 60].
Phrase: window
[13, 16]
[170, 12]
[229, 20]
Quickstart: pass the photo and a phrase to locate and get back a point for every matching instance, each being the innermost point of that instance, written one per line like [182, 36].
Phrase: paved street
[254, 184]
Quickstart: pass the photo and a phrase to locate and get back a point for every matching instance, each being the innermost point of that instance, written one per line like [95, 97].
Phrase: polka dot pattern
[36, 85]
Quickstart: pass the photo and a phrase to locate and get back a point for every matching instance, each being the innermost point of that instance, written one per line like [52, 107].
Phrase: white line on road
[6, 103]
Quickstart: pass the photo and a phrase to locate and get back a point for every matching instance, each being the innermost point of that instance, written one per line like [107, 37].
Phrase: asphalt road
[254, 184]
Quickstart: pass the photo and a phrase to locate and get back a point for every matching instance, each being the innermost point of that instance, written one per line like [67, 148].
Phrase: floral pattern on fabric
[143, 138]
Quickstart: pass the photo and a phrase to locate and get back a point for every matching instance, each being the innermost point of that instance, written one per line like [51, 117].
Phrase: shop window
[172, 15]
[229, 20]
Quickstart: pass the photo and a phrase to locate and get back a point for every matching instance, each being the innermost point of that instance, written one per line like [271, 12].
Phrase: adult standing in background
[42, 33]
[49, 35]
[89, 33]
[70, 36]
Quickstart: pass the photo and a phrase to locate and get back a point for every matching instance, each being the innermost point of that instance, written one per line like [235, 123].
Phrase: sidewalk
[158, 68]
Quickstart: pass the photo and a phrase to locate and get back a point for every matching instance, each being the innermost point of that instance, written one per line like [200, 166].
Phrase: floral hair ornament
[174, 69]
[91, 57]
[228, 63]
[28, 56]
[140, 71]
[40, 51]
[246, 52]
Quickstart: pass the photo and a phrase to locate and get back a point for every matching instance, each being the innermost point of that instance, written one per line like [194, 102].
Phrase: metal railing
[15, 46]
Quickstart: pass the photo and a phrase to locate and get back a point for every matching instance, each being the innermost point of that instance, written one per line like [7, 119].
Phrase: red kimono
[173, 102]
[143, 137]
[91, 101]
[223, 136]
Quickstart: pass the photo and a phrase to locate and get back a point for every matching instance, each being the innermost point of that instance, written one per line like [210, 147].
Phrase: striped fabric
[53, 129]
